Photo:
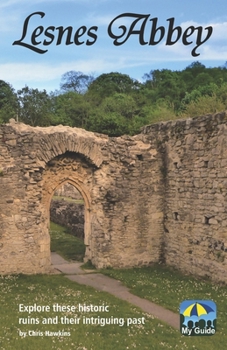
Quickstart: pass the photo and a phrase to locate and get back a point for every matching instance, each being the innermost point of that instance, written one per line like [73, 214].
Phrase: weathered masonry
[160, 196]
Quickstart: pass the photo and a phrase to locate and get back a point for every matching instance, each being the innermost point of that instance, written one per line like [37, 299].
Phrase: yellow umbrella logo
[197, 309]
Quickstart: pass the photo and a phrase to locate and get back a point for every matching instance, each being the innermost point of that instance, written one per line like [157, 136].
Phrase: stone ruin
[157, 197]
[68, 214]
[67, 209]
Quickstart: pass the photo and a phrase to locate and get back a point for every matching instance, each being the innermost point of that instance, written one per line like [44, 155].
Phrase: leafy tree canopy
[114, 103]
[8, 102]
[108, 84]
[75, 81]
[34, 106]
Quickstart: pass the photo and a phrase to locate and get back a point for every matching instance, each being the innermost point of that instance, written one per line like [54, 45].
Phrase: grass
[168, 287]
[49, 290]
[88, 266]
[162, 285]
[68, 199]
[65, 244]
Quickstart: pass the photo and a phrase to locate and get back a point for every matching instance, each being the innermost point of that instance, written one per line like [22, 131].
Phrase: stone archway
[132, 187]
[119, 179]
[70, 168]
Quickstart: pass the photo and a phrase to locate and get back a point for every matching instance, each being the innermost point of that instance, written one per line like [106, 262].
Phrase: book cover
[71, 73]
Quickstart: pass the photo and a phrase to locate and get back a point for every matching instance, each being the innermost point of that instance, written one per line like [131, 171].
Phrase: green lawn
[49, 290]
[68, 199]
[168, 287]
[162, 285]
[65, 244]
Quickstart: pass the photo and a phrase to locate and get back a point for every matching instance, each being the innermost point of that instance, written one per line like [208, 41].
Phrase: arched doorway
[73, 169]
[67, 223]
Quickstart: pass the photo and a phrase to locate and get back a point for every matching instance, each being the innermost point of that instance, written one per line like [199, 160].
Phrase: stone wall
[119, 179]
[194, 170]
[69, 215]
[159, 196]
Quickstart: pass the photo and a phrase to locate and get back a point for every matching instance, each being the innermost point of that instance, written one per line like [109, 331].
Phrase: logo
[198, 317]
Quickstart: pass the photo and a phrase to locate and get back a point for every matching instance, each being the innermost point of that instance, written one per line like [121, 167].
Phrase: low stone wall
[68, 214]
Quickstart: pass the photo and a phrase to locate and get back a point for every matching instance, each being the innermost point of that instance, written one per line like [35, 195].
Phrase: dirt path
[114, 287]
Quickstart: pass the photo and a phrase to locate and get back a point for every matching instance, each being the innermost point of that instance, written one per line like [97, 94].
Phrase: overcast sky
[97, 54]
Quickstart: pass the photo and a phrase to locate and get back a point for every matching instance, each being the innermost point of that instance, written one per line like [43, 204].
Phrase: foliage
[111, 124]
[114, 115]
[116, 104]
[204, 105]
[108, 84]
[34, 106]
[8, 102]
[75, 81]
[70, 109]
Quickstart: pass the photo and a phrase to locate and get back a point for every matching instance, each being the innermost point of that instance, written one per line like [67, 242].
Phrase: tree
[8, 102]
[196, 67]
[222, 94]
[204, 79]
[75, 81]
[190, 73]
[108, 84]
[153, 78]
[71, 109]
[166, 84]
[204, 105]
[110, 124]
[121, 104]
[192, 97]
[34, 106]
[114, 116]
[159, 111]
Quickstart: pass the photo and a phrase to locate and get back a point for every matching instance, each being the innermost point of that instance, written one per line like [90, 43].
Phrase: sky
[134, 44]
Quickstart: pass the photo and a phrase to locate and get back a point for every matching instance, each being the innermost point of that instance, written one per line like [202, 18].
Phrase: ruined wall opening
[69, 169]
[67, 223]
